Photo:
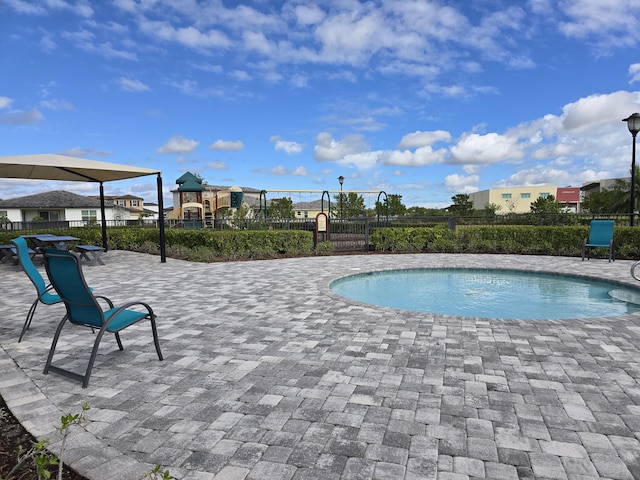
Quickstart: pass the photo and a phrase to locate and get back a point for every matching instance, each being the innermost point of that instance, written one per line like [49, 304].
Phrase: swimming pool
[507, 294]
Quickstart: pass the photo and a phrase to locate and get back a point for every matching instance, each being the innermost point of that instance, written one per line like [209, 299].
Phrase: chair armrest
[102, 297]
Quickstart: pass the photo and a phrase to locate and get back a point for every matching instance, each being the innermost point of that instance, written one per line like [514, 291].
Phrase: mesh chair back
[22, 250]
[601, 232]
[67, 279]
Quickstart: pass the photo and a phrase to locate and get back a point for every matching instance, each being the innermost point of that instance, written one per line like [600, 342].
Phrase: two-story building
[511, 199]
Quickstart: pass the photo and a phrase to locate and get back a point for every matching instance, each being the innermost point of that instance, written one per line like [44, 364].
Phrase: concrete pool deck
[269, 375]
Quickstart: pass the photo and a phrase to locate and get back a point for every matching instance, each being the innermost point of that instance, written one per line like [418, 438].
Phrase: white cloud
[600, 20]
[420, 157]
[217, 166]
[21, 117]
[56, 104]
[424, 139]
[240, 75]
[130, 85]
[187, 36]
[280, 170]
[178, 144]
[308, 14]
[24, 7]
[291, 148]
[362, 160]
[634, 72]
[538, 176]
[597, 110]
[486, 149]
[5, 102]
[84, 152]
[226, 145]
[301, 171]
[462, 184]
[48, 44]
[328, 149]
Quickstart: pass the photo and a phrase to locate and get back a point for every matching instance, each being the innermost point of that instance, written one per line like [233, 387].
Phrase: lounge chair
[600, 236]
[45, 295]
[84, 310]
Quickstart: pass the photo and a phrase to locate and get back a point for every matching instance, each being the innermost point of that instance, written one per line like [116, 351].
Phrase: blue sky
[425, 99]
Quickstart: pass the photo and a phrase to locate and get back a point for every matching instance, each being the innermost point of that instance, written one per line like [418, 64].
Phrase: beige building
[511, 199]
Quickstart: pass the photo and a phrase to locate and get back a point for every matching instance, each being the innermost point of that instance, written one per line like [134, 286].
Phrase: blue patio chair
[600, 236]
[45, 295]
[84, 310]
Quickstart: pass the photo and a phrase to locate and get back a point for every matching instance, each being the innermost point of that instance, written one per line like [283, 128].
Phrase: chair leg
[155, 336]
[92, 359]
[117, 335]
[54, 343]
[27, 322]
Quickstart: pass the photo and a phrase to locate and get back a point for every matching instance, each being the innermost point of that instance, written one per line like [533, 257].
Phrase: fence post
[367, 225]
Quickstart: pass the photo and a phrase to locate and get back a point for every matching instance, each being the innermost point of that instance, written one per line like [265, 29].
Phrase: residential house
[57, 207]
[130, 207]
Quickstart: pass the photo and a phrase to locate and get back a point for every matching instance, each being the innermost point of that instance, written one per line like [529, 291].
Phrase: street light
[341, 180]
[633, 122]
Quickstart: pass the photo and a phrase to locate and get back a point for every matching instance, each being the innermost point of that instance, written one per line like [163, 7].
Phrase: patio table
[49, 240]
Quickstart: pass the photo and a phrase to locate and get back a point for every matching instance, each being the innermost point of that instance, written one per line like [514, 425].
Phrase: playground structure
[197, 205]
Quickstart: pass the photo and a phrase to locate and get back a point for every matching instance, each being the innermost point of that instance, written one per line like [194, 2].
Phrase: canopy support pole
[163, 250]
[104, 219]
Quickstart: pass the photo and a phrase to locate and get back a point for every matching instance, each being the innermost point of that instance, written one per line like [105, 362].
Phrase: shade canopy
[48, 166]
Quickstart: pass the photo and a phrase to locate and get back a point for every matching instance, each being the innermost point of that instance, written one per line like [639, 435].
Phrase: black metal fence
[346, 234]
[64, 224]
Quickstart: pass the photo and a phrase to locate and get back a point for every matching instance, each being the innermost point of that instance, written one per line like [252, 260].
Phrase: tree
[546, 205]
[281, 208]
[462, 205]
[349, 205]
[416, 211]
[396, 207]
[607, 201]
[491, 209]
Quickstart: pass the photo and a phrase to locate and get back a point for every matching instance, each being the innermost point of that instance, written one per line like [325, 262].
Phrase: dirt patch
[13, 436]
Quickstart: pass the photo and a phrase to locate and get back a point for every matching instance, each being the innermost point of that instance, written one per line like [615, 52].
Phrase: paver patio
[268, 375]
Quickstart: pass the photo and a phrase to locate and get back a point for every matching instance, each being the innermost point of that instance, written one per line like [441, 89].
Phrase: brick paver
[268, 375]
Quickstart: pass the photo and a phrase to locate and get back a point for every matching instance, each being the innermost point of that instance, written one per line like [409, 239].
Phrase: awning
[49, 166]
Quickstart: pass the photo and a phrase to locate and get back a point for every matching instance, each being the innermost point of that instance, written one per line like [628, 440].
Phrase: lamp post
[341, 180]
[633, 123]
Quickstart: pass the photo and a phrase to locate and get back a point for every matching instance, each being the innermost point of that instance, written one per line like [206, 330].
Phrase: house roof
[190, 185]
[54, 199]
[188, 177]
[117, 197]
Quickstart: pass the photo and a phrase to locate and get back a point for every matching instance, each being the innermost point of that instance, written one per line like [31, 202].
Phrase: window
[120, 203]
[89, 215]
[525, 195]
[49, 216]
[4, 213]
[506, 196]
[544, 195]
[134, 203]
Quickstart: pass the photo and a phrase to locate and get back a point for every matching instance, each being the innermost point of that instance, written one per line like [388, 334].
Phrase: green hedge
[523, 239]
[209, 245]
[198, 245]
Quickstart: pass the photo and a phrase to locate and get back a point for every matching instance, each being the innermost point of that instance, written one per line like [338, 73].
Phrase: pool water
[488, 293]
